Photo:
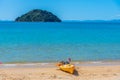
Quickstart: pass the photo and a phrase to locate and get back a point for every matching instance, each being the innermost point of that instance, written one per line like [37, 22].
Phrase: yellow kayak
[68, 68]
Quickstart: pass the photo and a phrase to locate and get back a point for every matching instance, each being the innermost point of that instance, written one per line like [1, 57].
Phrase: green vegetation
[38, 16]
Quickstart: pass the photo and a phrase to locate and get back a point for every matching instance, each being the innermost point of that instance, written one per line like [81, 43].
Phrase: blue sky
[64, 9]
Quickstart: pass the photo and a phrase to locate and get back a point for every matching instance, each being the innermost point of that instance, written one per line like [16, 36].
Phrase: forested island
[38, 15]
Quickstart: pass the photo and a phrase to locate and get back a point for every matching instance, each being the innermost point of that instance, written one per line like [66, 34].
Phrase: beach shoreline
[49, 71]
[96, 70]
[53, 64]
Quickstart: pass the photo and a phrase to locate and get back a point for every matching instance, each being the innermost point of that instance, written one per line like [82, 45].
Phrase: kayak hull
[68, 68]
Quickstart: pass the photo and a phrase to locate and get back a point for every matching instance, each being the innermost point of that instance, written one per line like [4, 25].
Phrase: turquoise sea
[51, 42]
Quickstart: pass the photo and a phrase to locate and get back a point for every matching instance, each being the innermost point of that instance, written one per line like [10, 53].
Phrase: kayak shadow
[76, 73]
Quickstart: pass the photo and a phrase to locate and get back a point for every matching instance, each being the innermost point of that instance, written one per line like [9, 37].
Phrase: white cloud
[117, 15]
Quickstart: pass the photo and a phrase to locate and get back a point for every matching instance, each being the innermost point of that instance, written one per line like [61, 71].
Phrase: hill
[38, 15]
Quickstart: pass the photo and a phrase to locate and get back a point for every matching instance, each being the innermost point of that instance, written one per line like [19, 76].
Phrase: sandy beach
[99, 72]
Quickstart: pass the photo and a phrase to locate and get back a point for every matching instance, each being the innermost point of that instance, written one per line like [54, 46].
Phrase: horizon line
[80, 20]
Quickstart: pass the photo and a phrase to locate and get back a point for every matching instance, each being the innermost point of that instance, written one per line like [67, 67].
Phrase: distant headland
[38, 15]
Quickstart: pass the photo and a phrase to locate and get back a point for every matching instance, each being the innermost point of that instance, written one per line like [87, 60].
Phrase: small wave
[94, 62]
[9, 65]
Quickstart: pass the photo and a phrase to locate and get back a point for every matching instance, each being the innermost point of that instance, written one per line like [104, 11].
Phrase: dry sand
[53, 73]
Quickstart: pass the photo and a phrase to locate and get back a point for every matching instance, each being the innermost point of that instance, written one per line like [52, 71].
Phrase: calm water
[48, 42]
